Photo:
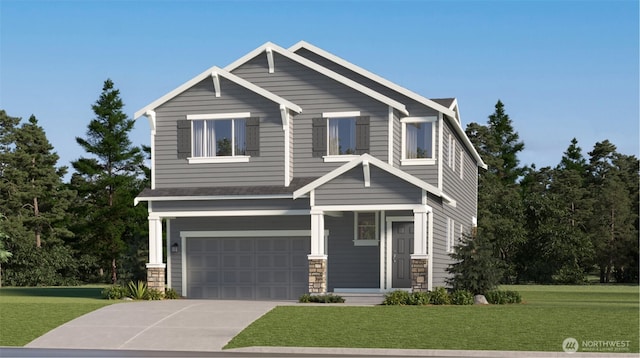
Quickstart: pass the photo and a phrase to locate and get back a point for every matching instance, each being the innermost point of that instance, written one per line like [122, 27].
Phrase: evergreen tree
[108, 179]
[475, 268]
[612, 224]
[500, 212]
[34, 202]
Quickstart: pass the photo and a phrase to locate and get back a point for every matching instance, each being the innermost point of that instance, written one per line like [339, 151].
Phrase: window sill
[365, 242]
[418, 161]
[209, 160]
[339, 158]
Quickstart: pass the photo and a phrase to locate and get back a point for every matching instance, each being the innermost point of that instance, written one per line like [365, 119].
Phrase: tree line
[548, 225]
[555, 224]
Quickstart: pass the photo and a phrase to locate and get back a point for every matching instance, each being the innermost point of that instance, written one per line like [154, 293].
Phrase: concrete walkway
[174, 325]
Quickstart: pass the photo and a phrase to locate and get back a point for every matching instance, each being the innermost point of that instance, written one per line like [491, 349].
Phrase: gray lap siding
[265, 169]
[349, 189]
[316, 94]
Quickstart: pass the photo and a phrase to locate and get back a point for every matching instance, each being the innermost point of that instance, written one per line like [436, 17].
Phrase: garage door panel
[247, 268]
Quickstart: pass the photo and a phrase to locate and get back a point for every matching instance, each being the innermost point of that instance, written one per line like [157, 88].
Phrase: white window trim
[338, 158]
[357, 242]
[461, 164]
[450, 233]
[450, 150]
[220, 159]
[418, 161]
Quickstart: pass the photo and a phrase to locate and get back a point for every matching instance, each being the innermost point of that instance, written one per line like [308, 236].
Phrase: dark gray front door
[402, 244]
[247, 268]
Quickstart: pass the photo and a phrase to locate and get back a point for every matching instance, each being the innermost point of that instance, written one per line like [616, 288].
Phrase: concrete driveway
[174, 325]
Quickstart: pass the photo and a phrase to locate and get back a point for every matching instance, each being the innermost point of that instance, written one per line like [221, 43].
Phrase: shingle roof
[295, 184]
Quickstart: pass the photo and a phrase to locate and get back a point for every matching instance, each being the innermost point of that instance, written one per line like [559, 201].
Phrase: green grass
[548, 315]
[28, 313]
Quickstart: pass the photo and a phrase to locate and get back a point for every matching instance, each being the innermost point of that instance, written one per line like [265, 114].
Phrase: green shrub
[462, 297]
[328, 298]
[498, 297]
[397, 298]
[440, 296]
[138, 291]
[115, 292]
[153, 294]
[171, 294]
[419, 298]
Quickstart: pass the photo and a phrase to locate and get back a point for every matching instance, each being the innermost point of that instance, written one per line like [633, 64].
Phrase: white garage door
[247, 268]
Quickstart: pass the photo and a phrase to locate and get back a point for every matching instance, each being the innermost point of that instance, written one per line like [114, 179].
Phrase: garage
[248, 268]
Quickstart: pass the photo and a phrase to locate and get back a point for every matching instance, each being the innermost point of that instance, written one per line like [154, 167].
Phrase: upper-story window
[211, 138]
[340, 136]
[418, 143]
[218, 138]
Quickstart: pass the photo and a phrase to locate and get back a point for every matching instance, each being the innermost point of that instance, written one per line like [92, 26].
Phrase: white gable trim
[216, 72]
[454, 114]
[321, 69]
[370, 160]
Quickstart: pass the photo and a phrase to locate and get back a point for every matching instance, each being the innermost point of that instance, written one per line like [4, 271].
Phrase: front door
[402, 244]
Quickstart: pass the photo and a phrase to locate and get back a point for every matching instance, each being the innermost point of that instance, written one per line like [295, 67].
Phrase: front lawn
[26, 313]
[548, 315]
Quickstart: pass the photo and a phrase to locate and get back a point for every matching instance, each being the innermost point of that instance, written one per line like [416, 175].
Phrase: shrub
[397, 298]
[419, 298]
[475, 268]
[440, 296]
[462, 297]
[498, 297]
[115, 292]
[171, 294]
[329, 298]
[153, 294]
[138, 291]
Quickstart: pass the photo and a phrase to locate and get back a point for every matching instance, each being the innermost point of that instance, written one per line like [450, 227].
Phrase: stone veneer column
[317, 276]
[155, 278]
[419, 275]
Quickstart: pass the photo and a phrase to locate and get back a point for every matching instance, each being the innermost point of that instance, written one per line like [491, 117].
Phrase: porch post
[155, 266]
[419, 257]
[318, 256]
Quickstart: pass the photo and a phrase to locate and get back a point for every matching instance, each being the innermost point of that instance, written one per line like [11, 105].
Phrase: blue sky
[563, 69]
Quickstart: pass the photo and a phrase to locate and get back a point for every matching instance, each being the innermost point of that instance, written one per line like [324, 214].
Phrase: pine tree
[475, 268]
[108, 179]
[500, 212]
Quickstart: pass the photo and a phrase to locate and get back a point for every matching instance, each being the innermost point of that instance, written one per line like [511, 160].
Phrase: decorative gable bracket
[269, 52]
[216, 83]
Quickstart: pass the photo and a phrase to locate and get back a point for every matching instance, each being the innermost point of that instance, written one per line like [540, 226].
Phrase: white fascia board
[361, 71]
[378, 163]
[259, 90]
[224, 213]
[209, 197]
[321, 69]
[220, 72]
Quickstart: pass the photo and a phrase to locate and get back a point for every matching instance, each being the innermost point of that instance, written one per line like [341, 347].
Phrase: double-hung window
[418, 142]
[221, 137]
[339, 136]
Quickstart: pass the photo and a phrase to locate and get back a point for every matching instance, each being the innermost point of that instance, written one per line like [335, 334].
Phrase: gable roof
[216, 71]
[321, 69]
[439, 105]
[366, 159]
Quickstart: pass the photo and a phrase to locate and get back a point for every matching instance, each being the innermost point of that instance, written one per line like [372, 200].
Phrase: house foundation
[317, 276]
[419, 271]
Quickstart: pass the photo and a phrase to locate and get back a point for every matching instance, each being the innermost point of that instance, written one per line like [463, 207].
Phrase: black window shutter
[184, 139]
[319, 137]
[252, 136]
[362, 135]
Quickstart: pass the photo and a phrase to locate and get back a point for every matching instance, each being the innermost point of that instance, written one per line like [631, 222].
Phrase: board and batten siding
[349, 266]
[316, 94]
[385, 189]
[224, 224]
[265, 169]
